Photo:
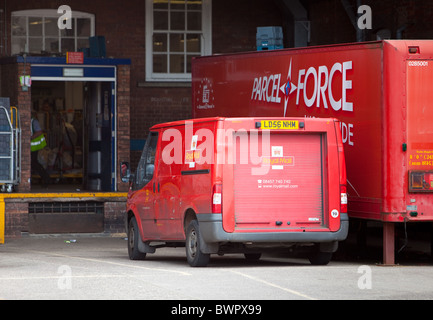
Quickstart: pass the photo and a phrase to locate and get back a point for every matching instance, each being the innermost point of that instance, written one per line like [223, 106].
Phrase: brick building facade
[142, 103]
[234, 26]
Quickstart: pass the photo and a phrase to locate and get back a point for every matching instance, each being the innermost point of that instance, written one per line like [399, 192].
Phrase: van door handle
[153, 187]
[158, 187]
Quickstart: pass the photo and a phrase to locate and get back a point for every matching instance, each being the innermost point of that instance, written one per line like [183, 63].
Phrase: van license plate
[279, 124]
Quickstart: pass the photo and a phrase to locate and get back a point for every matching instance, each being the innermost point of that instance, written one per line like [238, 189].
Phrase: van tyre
[194, 255]
[133, 238]
[319, 258]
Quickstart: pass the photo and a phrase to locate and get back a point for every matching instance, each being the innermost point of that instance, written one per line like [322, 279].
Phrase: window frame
[53, 14]
[206, 43]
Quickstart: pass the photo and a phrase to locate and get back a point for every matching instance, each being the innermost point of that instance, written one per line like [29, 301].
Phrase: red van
[239, 185]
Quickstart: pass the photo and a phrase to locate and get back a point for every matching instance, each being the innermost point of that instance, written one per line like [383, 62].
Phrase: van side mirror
[125, 172]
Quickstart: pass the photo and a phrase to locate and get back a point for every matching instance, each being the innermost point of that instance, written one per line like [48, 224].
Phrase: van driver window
[146, 166]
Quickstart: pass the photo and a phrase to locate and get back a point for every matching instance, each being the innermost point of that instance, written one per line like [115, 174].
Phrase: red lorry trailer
[380, 91]
[222, 185]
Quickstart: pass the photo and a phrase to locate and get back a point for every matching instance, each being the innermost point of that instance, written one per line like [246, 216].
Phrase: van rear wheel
[319, 258]
[133, 238]
[194, 256]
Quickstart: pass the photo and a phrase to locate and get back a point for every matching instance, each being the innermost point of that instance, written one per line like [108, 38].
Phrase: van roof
[182, 122]
[213, 119]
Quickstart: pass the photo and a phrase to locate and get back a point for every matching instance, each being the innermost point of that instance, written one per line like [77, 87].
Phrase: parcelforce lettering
[267, 89]
[321, 84]
[321, 79]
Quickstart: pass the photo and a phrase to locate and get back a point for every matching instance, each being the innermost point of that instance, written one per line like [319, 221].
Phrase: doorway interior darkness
[76, 117]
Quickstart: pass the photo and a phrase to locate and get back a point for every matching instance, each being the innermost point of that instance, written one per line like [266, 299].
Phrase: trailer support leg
[388, 243]
[2, 219]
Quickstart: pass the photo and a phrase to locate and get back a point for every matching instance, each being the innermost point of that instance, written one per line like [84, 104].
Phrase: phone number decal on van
[280, 124]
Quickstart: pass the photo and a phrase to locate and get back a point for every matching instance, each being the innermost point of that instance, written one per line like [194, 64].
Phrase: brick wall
[123, 25]
[234, 26]
[24, 104]
[16, 218]
[141, 105]
[114, 217]
[153, 105]
[123, 119]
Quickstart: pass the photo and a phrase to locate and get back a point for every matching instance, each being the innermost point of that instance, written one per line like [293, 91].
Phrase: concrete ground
[97, 267]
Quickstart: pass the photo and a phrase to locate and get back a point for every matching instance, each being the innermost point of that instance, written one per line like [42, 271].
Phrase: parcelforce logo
[275, 88]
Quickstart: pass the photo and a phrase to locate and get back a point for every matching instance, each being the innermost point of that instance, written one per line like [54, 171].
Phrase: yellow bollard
[2, 219]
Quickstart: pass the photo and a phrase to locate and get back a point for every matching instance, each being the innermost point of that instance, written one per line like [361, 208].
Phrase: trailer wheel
[133, 238]
[194, 256]
[319, 258]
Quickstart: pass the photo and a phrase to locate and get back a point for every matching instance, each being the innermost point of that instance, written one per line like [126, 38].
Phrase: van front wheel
[133, 238]
[194, 256]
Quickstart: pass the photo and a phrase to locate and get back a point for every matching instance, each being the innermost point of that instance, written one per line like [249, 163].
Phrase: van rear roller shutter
[290, 194]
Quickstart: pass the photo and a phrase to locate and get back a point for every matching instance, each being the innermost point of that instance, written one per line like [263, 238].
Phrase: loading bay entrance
[77, 106]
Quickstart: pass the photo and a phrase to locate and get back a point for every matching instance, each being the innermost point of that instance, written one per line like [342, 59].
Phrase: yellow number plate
[280, 125]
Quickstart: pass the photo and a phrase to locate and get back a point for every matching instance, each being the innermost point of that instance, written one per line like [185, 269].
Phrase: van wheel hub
[192, 245]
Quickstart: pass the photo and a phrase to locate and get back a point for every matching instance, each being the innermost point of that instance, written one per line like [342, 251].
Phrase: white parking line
[273, 285]
[116, 263]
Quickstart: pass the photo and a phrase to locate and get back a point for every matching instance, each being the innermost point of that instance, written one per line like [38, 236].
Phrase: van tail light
[420, 181]
[343, 202]
[217, 198]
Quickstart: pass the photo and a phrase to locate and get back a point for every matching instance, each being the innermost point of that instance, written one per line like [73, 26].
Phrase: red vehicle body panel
[381, 93]
[299, 187]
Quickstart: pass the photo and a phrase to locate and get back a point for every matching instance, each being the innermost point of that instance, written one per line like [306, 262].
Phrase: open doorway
[76, 118]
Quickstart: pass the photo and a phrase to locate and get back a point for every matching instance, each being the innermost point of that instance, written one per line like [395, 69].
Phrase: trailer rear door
[289, 194]
[419, 125]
